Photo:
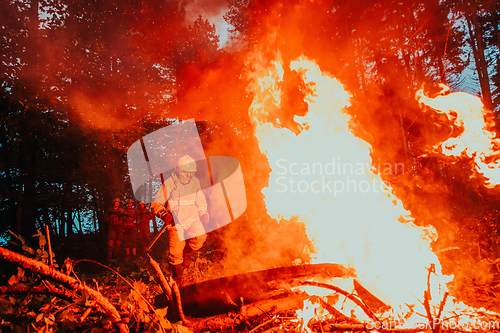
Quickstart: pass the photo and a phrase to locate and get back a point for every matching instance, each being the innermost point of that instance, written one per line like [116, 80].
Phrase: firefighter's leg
[199, 236]
[147, 238]
[110, 249]
[195, 243]
[144, 239]
[118, 235]
[129, 237]
[176, 247]
[117, 249]
[111, 238]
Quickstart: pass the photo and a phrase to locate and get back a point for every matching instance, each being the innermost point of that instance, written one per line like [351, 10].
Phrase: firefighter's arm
[201, 205]
[158, 204]
[159, 210]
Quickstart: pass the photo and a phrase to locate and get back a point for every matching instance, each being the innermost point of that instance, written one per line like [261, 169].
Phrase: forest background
[83, 80]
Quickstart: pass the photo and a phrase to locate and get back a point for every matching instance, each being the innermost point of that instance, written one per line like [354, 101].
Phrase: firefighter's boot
[177, 273]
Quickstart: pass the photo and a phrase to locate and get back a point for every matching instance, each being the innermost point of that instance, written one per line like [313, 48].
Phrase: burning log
[229, 294]
[353, 298]
[269, 307]
[372, 302]
[336, 313]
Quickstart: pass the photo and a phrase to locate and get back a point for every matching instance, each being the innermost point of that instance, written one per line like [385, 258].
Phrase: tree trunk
[472, 42]
[48, 220]
[496, 23]
[29, 193]
[476, 38]
[80, 229]
[66, 214]
[26, 217]
[94, 211]
[19, 208]
[10, 203]
[26, 210]
[150, 192]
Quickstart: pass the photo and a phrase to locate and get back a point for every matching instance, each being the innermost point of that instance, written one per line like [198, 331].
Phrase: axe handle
[165, 226]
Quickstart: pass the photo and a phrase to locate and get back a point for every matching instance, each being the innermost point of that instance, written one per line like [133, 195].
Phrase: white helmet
[186, 163]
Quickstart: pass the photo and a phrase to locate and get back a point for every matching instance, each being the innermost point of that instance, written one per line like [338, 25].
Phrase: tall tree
[81, 82]
[477, 43]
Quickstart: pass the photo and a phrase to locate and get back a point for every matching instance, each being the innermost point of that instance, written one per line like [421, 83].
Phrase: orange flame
[476, 140]
[324, 175]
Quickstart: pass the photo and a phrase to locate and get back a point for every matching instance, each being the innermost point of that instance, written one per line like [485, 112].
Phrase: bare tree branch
[46, 270]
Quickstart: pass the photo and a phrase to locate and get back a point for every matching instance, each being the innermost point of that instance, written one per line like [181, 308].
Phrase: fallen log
[283, 303]
[350, 296]
[46, 270]
[229, 294]
[344, 327]
[40, 290]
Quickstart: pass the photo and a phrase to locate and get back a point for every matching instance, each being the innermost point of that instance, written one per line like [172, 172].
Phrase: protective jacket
[187, 202]
[144, 216]
[129, 216]
[115, 216]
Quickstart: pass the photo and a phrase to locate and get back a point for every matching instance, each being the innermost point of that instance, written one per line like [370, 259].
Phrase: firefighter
[144, 217]
[129, 228]
[186, 201]
[114, 217]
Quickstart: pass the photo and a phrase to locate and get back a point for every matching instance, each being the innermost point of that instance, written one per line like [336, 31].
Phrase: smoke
[436, 190]
[207, 9]
[121, 80]
[213, 11]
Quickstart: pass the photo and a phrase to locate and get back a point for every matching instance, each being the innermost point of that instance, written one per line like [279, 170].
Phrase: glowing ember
[324, 175]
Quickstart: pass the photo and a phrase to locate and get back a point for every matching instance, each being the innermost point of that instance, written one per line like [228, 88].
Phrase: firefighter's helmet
[130, 201]
[186, 164]
[116, 200]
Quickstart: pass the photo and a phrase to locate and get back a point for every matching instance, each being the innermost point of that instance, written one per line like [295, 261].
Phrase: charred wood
[231, 320]
[227, 294]
[350, 296]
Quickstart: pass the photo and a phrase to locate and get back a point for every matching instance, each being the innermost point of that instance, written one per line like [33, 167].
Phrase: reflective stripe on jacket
[187, 202]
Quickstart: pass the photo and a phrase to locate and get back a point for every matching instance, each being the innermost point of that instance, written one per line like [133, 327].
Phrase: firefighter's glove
[167, 217]
[205, 219]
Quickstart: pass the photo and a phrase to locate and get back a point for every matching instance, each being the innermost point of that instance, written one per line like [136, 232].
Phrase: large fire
[324, 176]
[477, 140]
